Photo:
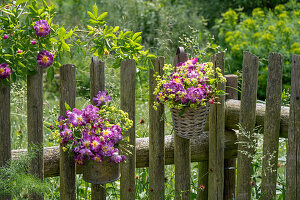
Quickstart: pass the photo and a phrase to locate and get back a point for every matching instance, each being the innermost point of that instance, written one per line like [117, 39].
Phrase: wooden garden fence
[219, 151]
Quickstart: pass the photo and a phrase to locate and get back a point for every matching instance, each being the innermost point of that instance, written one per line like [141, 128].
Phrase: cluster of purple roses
[87, 134]
[187, 84]
[44, 58]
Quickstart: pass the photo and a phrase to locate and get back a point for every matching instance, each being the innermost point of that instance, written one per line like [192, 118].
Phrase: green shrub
[263, 32]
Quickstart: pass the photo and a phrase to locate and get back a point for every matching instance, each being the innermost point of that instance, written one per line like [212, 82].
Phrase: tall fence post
[156, 137]
[67, 163]
[5, 128]
[35, 124]
[216, 138]
[97, 83]
[247, 121]
[202, 191]
[230, 164]
[272, 127]
[182, 152]
[127, 92]
[293, 154]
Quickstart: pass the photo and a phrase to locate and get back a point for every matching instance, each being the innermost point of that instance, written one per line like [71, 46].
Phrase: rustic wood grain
[5, 128]
[97, 83]
[293, 154]
[247, 121]
[156, 137]
[182, 151]
[127, 93]
[67, 163]
[216, 138]
[202, 191]
[272, 126]
[35, 124]
[230, 164]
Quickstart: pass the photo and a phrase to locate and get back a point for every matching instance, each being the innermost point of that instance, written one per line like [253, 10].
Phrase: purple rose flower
[42, 28]
[195, 94]
[79, 159]
[45, 58]
[90, 113]
[101, 98]
[4, 71]
[116, 158]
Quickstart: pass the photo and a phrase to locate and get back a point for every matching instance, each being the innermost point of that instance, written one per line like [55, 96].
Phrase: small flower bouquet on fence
[93, 136]
[188, 88]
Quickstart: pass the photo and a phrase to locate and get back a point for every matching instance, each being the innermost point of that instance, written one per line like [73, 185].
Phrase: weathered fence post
[127, 92]
[216, 138]
[293, 154]
[202, 191]
[272, 127]
[35, 124]
[97, 83]
[230, 164]
[247, 121]
[182, 152]
[156, 137]
[5, 128]
[67, 163]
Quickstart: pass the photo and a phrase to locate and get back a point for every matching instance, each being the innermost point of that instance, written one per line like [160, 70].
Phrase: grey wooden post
[35, 124]
[67, 163]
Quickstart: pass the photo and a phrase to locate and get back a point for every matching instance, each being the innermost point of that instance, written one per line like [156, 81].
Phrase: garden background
[203, 28]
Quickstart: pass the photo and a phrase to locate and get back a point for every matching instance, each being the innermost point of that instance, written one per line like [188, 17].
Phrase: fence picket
[182, 152]
[67, 163]
[5, 128]
[293, 154]
[216, 138]
[272, 127]
[247, 121]
[202, 192]
[127, 93]
[97, 83]
[35, 124]
[156, 138]
[230, 164]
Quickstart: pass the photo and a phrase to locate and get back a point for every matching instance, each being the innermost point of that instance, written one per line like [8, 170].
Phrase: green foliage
[261, 33]
[15, 179]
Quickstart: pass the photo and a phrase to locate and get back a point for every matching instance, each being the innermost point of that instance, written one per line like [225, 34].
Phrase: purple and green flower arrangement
[94, 132]
[188, 84]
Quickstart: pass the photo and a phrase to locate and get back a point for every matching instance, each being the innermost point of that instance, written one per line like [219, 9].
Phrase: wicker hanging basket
[101, 173]
[191, 123]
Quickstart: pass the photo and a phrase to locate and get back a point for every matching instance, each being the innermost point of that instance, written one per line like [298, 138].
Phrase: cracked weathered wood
[247, 121]
[97, 83]
[156, 137]
[35, 124]
[67, 163]
[5, 128]
[127, 93]
[230, 164]
[271, 127]
[293, 154]
[216, 138]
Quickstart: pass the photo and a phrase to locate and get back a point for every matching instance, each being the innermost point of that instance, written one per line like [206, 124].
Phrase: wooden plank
[67, 163]
[232, 116]
[216, 138]
[199, 152]
[127, 92]
[272, 127]
[182, 151]
[5, 128]
[230, 164]
[202, 192]
[293, 154]
[35, 124]
[247, 121]
[97, 83]
[156, 138]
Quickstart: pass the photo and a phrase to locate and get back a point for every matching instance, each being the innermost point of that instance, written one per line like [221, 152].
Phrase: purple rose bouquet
[93, 132]
[188, 84]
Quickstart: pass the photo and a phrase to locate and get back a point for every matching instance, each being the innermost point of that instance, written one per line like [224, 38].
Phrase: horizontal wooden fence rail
[199, 152]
